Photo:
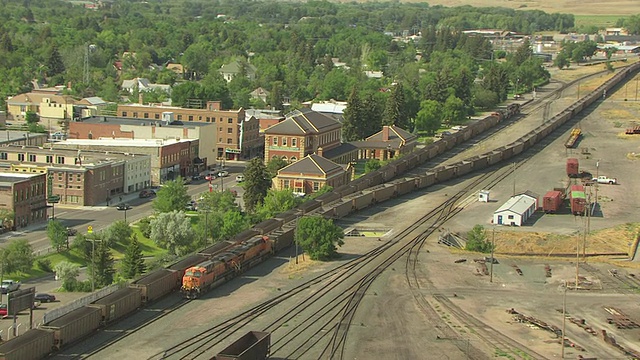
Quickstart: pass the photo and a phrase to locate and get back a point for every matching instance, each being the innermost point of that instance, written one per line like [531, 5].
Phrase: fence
[56, 313]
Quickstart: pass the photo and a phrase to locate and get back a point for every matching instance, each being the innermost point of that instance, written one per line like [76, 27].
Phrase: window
[284, 141]
[3, 156]
[179, 117]
[294, 159]
[135, 114]
[20, 157]
[316, 186]
[49, 159]
[275, 141]
[70, 177]
[60, 159]
[199, 118]
[294, 142]
[285, 184]
[124, 113]
[145, 115]
[219, 140]
[32, 157]
[230, 120]
[190, 118]
[209, 119]
[229, 131]
[156, 116]
[229, 141]
[59, 176]
[510, 216]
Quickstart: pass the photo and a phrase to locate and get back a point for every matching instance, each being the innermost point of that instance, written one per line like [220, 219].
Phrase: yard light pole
[124, 207]
[564, 318]
[493, 242]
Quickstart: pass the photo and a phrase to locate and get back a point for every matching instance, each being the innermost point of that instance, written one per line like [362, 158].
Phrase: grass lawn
[597, 20]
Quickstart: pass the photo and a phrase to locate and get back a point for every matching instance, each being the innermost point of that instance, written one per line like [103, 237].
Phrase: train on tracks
[389, 181]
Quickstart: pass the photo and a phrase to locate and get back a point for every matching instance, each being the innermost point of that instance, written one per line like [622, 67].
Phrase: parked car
[8, 286]
[3, 310]
[197, 177]
[223, 173]
[192, 205]
[44, 298]
[71, 232]
[146, 193]
[209, 176]
[123, 206]
[240, 178]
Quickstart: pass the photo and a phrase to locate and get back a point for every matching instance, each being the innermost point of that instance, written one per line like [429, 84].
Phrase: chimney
[140, 99]
[319, 151]
[385, 133]
[213, 105]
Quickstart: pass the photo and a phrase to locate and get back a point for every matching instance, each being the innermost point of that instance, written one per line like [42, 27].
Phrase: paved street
[101, 217]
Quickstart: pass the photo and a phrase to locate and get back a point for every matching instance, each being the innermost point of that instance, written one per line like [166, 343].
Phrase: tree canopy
[257, 181]
[173, 231]
[319, 237]
[171, 197]
[477, 240]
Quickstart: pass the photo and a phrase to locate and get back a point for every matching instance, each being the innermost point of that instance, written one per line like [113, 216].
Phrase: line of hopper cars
[372, 188]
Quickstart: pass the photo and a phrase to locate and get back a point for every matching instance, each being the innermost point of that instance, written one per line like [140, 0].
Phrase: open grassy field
[619, 8]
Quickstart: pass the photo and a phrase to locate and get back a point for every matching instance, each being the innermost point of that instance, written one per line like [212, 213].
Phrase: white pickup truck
[8, 286]
[605, 180]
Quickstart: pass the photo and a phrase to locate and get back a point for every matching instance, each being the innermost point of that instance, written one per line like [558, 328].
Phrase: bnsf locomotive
[222, 266]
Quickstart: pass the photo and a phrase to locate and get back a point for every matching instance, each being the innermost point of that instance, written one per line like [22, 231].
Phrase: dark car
[146, 193]
[197, 177]
[71, 232]
[44, 298]
[123, 206]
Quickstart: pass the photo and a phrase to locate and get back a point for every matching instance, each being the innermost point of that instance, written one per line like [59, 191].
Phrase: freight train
[389, 181]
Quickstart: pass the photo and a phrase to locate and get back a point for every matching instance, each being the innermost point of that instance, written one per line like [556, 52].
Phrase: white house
[143, 84]
[516, 211]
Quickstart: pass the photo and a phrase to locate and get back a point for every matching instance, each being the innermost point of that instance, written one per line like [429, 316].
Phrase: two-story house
[237, 67]
[48, 106]
[302, 133]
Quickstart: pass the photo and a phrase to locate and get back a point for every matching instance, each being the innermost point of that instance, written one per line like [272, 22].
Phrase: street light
[53, 200]
[124, 207]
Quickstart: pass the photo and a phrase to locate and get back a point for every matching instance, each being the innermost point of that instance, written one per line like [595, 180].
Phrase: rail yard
[406, 296]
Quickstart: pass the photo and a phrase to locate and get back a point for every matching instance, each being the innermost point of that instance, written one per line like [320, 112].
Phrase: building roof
[90, 158]
[397, 137]
[339, 150]
[111, 120]
[259, 91]
[303, 122]
[311, 165]
[120, 142]
[8, 136]
[33, 98]
[235, 67]
[13, 177]
[264, 114]
[332, 107]
[518, 204]
[94, 100]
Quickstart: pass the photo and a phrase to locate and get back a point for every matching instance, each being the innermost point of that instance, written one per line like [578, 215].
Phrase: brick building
[24, 196]
[301, 134]
[310, 174]
[169, 158]
[82, 178]
[386, 144]
[237, 136]
[102, 127]
[15, 137]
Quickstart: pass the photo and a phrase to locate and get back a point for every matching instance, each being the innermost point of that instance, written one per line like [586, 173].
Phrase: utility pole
[493, 245]
[93, 263]
[577, 260]
[514, 179]
[295, 239]
[564, 318]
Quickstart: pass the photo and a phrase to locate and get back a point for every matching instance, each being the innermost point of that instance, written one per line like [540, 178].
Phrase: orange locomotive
[224, 266]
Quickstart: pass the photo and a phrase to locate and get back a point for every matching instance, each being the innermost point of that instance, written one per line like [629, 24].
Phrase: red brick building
[237, 136]
[25, 196]
[301, 134]
[386, 144]
[310, 174]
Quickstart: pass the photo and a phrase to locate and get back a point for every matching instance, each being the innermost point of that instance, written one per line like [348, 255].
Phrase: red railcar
[552, 201]
[573, 168]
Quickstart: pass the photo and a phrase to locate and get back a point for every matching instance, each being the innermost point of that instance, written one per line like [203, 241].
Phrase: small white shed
[483, 196]
[516, 211]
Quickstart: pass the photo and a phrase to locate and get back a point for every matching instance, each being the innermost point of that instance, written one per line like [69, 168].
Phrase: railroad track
[610, 282]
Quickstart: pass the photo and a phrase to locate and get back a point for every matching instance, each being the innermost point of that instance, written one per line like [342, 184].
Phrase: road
[101, 217]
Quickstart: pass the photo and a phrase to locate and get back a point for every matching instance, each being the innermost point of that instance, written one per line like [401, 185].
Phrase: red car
[3, 310]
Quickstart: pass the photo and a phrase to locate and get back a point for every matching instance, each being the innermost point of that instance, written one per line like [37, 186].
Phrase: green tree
[6, 218]
[522, 54]
[353, 123]
[276, 202]
[173, 231]
[429, 117]
[496, 79]
[372, 165]
[319, 237]
[454, 111]
[233, 222]
[133, 262]
[17, 256]
[257, 181]
[562, 61]
[477, 240]
[275, 164]
[484, 98]
[57, 234]
[171, 197]
[217, 201]
[119, 232]
[68, 273]
[103, 265]
[145, 227]
[395, 108]
[55, 65]
[31, 117]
